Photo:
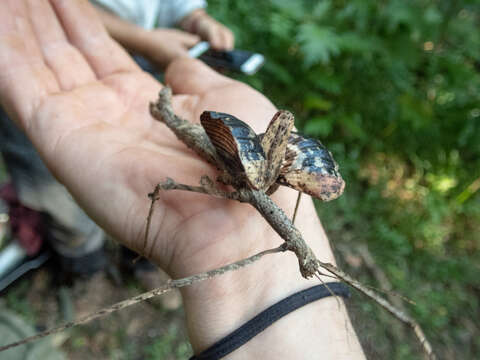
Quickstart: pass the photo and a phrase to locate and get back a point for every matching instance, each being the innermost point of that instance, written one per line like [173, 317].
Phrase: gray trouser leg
[71, 232]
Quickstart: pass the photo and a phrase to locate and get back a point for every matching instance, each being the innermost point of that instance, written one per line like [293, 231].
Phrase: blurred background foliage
[393, 89]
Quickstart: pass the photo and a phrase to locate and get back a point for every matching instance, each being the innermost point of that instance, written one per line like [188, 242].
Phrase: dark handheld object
[276, 157]
[242, 61]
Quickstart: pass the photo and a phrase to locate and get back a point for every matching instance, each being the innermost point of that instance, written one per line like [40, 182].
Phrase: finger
[191, 76]
[228, 39]
[223, 41]
[177, 52]
[212, 91]
[25, 79]
[224, 38]
[66, 62]
[215, 39]
[189, 40]
[86, 32]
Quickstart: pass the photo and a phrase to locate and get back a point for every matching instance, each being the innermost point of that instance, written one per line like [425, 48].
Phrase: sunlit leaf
[313, 102]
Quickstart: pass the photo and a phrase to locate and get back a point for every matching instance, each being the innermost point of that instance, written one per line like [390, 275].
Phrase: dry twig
[168, 286]
[299, 196]
[397, 313]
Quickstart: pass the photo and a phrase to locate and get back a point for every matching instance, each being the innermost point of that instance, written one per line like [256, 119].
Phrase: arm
[92, 128]
[320, 329]
[160, 46]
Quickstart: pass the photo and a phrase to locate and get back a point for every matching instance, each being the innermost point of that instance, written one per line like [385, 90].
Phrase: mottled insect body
[277, 157]
[237, 145]
[309, 167]
[274, 143]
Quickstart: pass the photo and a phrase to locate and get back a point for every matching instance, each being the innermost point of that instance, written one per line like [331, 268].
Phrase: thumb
[192, 76]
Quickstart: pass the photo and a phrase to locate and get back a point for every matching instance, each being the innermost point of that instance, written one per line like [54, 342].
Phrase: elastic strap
[267, 317]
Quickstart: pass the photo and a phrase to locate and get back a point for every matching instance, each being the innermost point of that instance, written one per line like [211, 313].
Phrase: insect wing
[237, 145]
[274, 142]
[309, 167]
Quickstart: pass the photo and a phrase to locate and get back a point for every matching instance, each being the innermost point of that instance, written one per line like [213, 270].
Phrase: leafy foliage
[168, 346]
[393, 88]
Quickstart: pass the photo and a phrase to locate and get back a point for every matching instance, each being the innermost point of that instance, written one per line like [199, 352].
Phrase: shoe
[83, 266]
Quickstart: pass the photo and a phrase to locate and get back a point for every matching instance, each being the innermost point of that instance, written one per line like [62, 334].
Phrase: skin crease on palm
[84, 104]
[105, 139]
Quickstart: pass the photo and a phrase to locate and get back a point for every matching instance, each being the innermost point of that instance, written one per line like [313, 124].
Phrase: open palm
[84, 104]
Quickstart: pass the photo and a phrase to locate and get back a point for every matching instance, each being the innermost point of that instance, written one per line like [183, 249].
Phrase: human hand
[84, 104]
[218, 35]
[93, 129]
[162, 46]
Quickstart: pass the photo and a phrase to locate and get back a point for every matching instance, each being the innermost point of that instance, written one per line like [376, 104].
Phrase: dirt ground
[143, 331]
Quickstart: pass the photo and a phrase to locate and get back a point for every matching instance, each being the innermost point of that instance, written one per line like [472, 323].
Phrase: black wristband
[267, 317]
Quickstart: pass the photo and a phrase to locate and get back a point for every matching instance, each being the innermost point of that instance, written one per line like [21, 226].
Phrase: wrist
[218, 306]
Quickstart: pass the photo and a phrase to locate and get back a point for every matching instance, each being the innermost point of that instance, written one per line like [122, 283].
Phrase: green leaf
[318, 43]
[355, 43]
[399, 12]
[280, 73]
[353, 125]
[281, 26]
[315, 102]
[432, 15]
[319, 126]
[327, 82]
[321, 9]
[295, 9]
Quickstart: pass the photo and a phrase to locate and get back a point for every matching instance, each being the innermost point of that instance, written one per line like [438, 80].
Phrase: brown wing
[237, 145]
[309, 167]
[274, 143]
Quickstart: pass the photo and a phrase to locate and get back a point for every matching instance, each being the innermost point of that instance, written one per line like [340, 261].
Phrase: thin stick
[269, 210]
[190, 134]
[317, 275]
[381, 277]
[296, 207]
[168, 286]
[385, 288]
[154, 198]
[400, 315]
[206, 188]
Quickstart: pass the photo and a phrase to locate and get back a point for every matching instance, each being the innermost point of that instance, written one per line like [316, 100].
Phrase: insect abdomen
[309, 167]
